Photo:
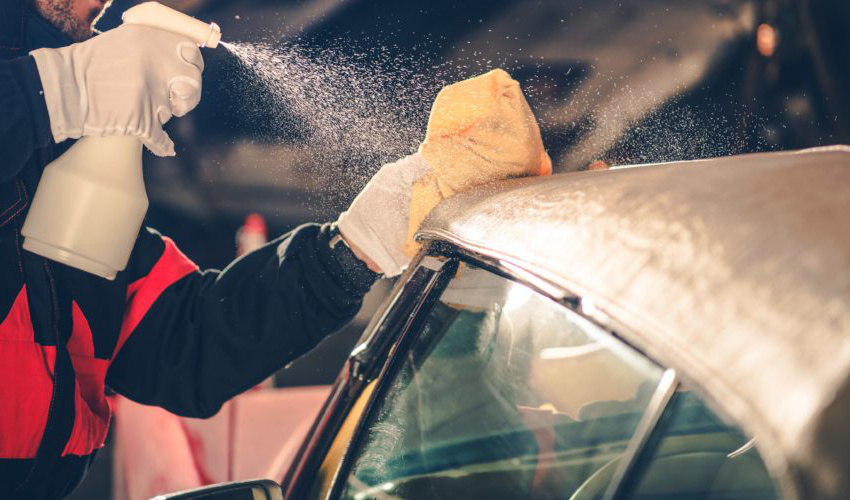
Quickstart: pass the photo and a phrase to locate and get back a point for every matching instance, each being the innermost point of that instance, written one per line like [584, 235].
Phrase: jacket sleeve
[24, 122]
[191, 340]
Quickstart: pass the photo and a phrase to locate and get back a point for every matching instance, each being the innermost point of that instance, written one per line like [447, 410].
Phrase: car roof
[735, 271]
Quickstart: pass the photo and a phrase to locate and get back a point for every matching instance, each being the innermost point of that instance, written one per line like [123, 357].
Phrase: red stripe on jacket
[26, 383]
[141, 294]
[92, 409]
[26, 368]
[26, 371]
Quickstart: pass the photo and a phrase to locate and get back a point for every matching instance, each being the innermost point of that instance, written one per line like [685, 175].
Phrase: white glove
[376, 222]
[480, 130]
[127, 81]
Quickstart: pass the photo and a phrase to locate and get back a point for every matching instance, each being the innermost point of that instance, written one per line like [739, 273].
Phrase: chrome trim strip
[432, 263]
[536, 279]
[540, 284]
[377, 320]
[749, 445]
[658, 404]
[534, 276]
[526, 277]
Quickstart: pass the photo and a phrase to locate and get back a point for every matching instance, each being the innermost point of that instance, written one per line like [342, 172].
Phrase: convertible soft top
[734, 271]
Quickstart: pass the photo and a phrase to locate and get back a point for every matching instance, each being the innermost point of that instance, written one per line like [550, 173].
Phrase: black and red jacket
[162, 333]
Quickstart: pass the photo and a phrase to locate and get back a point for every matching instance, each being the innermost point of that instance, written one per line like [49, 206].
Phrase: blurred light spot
[588, 307]
[570, 352]
[598, 165]
[517, 297]
[766, 40]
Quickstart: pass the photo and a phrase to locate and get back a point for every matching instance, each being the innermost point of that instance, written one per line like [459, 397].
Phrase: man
[164, 332]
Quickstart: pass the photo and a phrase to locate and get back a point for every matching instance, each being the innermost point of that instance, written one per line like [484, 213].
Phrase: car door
[488, 386]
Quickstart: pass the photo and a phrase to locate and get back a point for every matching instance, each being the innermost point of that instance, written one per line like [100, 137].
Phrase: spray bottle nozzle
[156, 15]
[213, 38]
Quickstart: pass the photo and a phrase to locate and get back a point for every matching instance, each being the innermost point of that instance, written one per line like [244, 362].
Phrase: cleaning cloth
[480, 130]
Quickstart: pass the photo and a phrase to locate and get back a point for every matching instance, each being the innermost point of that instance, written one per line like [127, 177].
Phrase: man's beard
[58, 13]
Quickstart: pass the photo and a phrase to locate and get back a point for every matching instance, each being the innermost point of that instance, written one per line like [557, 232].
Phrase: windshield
[504, 394]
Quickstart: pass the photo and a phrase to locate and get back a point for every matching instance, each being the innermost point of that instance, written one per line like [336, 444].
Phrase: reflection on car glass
[504, 394]
[700, 456]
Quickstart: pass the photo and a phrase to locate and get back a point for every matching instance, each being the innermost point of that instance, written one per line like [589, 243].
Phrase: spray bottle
[91, 201]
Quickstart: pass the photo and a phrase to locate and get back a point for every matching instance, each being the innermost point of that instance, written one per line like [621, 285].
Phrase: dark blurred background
[617, 81]
[623, 81]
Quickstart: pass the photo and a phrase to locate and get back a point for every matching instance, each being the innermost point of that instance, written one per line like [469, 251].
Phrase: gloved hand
[480, 130]
[128, 81]
[376, 222]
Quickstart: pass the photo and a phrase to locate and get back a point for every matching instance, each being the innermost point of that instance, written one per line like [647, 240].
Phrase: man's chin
[78, 33]
[83, 31]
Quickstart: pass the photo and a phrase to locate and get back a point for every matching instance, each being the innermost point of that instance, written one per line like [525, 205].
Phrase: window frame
[411, 301]
[383, 381]
[364, 366]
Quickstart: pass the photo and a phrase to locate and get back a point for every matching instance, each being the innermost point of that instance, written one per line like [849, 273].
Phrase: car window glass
[700, 456]
[503, 394]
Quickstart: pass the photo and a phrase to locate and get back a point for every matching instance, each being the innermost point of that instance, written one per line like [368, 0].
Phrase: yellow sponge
[480, 130]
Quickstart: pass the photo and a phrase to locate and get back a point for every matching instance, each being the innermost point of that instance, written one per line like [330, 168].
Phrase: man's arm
[24, 123]
[191, 340]
[195, 339]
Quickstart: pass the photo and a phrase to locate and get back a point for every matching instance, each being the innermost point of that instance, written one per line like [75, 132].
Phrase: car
[672, 330]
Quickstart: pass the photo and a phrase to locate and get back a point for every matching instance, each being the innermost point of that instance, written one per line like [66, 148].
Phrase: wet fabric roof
[735, 271]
